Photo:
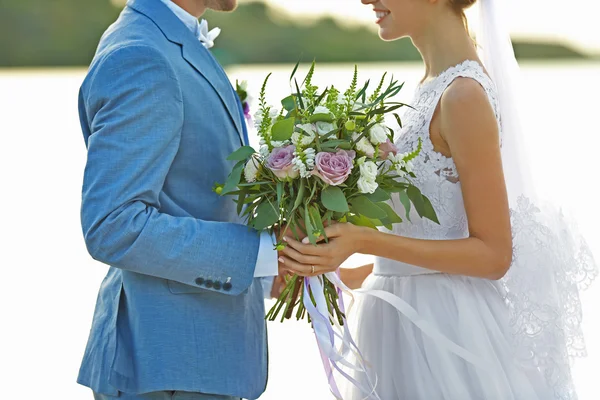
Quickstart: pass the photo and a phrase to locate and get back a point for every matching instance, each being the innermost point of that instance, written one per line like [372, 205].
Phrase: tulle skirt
[411, 366]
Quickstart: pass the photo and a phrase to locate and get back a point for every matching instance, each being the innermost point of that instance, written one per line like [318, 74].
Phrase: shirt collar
[188, 19]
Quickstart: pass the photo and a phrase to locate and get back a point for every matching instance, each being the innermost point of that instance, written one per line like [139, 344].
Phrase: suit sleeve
[134, 110]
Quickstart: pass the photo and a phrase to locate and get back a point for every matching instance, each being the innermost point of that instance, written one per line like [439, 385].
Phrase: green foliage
[333, 199]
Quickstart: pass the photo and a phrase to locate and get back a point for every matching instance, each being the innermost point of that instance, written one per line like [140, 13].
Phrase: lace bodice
[437, 177]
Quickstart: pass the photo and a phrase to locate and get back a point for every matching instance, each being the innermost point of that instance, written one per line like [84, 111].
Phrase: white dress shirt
[267, 265]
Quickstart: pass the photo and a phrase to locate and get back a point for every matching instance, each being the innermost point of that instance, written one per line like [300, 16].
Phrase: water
[50, 282]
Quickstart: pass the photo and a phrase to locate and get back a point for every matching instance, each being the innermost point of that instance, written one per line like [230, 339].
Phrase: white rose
[324, 127]
[322, 110]
[378, 134]
[251, 170]
[366, 185]
[303, 140]
[368, 170]
[364, 146]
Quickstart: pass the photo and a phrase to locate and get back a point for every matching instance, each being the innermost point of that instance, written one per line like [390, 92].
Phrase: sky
[574, 22]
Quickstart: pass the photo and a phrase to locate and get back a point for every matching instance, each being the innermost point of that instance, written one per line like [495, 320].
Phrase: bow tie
[206, 37]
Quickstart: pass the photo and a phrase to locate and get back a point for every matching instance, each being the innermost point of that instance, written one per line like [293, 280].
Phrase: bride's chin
[389, 35]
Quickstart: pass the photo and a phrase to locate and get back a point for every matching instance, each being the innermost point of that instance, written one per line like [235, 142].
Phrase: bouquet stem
[293, 296]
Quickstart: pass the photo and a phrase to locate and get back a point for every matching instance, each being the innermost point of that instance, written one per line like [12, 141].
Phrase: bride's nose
[367, 2]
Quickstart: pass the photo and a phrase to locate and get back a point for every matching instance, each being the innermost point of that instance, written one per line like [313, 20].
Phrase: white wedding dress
[471, 312]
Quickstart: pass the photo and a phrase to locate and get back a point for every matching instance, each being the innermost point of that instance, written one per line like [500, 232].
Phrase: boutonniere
[241, 89]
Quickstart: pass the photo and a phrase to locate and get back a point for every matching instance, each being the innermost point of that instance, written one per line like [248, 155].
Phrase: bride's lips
[381, 15]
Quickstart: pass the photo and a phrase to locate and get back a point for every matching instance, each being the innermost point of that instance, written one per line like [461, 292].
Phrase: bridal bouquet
[325, 156]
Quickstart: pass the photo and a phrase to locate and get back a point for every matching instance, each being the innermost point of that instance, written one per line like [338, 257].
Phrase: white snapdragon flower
[364, 146]
[251, 170]
[309, 155]
[243, 85]
[304, 168]
[378, 134]
[274, 112]
[258, 120]
[264, 151]
[401, 166]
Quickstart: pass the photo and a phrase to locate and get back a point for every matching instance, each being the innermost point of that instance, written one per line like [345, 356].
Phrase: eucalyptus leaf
[283, 130]
[379, 195]
[416, 198]
[266, 215]
[243, 153]
[392, 217]
[361, 220]
[429, 211]
[289, 103]
[405, 202]
[362, 205]
[234, 178]
[241, 199]
[333, 199]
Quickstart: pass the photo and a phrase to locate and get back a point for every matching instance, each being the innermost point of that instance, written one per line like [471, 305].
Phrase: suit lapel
[194, 53]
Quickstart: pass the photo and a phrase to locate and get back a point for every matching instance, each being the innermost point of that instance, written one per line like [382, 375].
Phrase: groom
[180, 314]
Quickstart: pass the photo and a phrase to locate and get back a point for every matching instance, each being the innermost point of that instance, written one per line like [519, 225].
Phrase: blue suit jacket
[179, 308]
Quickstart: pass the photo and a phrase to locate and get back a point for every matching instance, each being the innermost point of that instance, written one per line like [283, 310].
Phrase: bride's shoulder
[465, 106]
[465, 95]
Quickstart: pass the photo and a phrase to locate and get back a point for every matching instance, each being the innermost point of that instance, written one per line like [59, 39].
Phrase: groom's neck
[194, 7]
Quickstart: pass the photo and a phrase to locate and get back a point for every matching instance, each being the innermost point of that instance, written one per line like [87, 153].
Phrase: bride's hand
[309, 260]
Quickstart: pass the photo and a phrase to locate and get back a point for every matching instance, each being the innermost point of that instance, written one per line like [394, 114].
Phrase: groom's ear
[222, 5]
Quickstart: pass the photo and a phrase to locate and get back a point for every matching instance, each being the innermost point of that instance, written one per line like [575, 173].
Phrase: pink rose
[280, 162]
[386, 148]
[334, 168]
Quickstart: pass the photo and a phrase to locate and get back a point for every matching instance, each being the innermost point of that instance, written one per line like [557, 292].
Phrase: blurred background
[45, 46]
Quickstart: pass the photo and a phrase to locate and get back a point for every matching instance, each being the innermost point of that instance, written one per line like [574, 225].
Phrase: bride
[496, 276]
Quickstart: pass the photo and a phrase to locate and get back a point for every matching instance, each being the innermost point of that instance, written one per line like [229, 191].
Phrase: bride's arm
[469, 127]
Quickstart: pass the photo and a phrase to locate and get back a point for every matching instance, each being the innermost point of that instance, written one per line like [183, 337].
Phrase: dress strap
[436, 87]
